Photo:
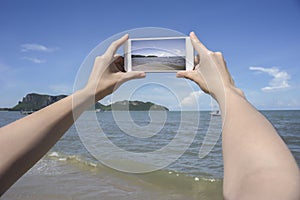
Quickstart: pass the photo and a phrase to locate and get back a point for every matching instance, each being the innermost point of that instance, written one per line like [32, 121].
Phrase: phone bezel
[189, 50]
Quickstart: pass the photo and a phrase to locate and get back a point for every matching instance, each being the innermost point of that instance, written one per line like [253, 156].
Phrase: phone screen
[158, 55]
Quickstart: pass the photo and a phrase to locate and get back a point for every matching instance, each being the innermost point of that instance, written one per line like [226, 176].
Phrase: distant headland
[143, 56]
[34, 102]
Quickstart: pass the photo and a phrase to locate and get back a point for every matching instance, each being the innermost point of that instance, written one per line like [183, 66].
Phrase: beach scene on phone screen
[158, 55]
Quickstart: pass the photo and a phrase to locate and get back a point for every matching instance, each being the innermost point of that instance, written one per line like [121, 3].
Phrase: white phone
[163, 54]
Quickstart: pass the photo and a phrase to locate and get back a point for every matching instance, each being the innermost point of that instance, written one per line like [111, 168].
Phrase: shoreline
[52, 179]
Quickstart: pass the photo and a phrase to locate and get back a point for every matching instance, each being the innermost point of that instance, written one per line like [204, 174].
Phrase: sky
[44, 43]
[160, 48]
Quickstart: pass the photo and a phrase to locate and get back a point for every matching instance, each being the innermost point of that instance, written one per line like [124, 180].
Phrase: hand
[210, 71]
[108, 72]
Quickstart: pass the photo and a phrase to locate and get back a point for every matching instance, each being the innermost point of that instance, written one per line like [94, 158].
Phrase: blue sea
[69, 171]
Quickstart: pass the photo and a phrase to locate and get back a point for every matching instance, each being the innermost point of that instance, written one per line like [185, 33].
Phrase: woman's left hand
[108, 72]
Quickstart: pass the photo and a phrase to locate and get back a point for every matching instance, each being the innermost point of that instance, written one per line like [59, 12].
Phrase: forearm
[257, 163]
[25, 141]
[252, 148]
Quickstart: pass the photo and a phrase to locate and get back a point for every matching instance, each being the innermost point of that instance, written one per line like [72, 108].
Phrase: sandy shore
[53, 180]
[157, 67]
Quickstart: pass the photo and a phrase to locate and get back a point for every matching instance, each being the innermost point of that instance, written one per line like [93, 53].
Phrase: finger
[195, 39]
[196, 60]
[200, 48]
[119, 63]
[110, 52]
[133, 75]
[118, 58]
[222, 62]
[193, 76]
[186, 74]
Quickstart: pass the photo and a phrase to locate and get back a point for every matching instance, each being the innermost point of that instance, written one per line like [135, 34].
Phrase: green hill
[131, 105]
[36, 102]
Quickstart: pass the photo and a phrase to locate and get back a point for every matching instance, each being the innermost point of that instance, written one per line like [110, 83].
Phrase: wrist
[83, 98]
[226, 97]
[91, 94]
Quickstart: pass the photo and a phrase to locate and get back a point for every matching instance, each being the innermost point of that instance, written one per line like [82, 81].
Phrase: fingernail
[126, 35]
[192, 35]
[179, 75]
[142, 74]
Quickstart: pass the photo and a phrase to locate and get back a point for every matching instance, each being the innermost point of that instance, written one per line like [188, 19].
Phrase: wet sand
[53, 180]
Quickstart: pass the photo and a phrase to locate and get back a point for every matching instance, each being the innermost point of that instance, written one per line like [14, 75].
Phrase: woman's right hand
[210, 71]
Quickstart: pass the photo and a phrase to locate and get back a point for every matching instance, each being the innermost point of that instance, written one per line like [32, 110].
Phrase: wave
[201, 185]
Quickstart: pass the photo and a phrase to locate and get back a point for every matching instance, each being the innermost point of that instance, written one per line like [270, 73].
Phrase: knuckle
[198, 42]
[99, 58]
[102, 58]
[218, 53]
[105, 57]
[114, 44]
[210, 53]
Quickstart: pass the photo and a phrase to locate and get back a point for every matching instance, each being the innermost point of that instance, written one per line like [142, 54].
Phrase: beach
[68, 171]
[77, 181]
[158, 63]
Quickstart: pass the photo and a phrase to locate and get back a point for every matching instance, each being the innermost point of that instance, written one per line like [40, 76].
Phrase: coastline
[57, 179]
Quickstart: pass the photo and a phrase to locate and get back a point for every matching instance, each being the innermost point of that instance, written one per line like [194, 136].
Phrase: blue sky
[43, 43]
[161, 48]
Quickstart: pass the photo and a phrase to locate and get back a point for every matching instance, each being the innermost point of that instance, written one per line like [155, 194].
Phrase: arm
[257, 163]
[24, 142]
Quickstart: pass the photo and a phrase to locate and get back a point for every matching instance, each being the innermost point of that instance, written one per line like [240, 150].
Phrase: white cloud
[162, 53]
[34, 60]
[179, 52]
[36, 47]
[173, 52]
[192, 98]
[279, 81]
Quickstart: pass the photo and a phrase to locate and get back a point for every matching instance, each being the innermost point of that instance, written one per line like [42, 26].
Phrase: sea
[158, 63]
[70, 171]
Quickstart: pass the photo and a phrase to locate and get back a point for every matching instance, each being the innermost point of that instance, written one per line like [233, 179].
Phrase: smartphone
[162, 54]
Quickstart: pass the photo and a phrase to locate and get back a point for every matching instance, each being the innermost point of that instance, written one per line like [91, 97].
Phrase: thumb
[194, 76]
[191, 75]
[133, 75]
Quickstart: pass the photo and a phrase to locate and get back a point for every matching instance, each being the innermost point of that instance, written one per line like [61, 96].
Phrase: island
[35, 102]
[143, 56]
[130, 105]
